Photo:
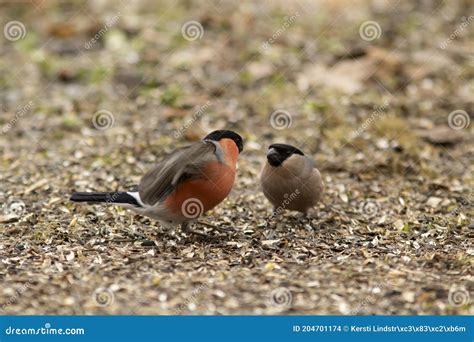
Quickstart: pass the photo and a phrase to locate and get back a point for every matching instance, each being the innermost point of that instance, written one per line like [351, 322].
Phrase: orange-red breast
[184, 185]
[290, 179]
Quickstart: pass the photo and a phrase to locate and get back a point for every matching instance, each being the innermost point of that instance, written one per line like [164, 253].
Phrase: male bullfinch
[290, 180]
[184, 185]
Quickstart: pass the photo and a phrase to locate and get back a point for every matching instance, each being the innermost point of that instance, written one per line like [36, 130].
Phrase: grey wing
[185, 163]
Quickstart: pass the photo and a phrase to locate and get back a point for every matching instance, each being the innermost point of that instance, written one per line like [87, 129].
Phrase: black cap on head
[278, 153]
[225, 134]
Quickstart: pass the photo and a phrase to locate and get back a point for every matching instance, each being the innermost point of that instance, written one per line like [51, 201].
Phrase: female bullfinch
[290, 180]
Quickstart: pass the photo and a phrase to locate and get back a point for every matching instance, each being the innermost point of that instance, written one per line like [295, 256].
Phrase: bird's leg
[185, 227]
[270, 220]
[304, 218]
[273, 215]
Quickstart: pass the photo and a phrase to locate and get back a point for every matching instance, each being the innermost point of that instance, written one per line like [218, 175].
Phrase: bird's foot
[304, 218]
[271, 219]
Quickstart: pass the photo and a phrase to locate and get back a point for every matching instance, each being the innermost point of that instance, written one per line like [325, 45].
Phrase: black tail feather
[104, 197]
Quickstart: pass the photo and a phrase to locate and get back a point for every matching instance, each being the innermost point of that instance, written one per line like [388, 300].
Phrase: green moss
[71, 122]
[28, 44]
[245, 77]
[314, 106]
[98, 74]
[171, 95]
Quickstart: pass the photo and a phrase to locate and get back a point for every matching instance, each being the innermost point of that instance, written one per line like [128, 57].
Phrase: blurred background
[379, 92]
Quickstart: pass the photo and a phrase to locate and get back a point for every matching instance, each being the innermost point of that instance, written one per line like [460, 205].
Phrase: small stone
[434, 201]
[409, 296]
[375, 242]
[70, 256]
[344, 197]
[69, 301]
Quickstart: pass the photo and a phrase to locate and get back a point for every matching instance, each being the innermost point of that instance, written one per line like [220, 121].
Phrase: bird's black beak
[240, 146]
[274, 158]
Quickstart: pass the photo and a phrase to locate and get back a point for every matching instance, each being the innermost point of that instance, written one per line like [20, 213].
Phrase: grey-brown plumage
[290, 180]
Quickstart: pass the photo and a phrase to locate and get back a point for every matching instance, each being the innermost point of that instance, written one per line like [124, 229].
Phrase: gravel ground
[379, 93]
